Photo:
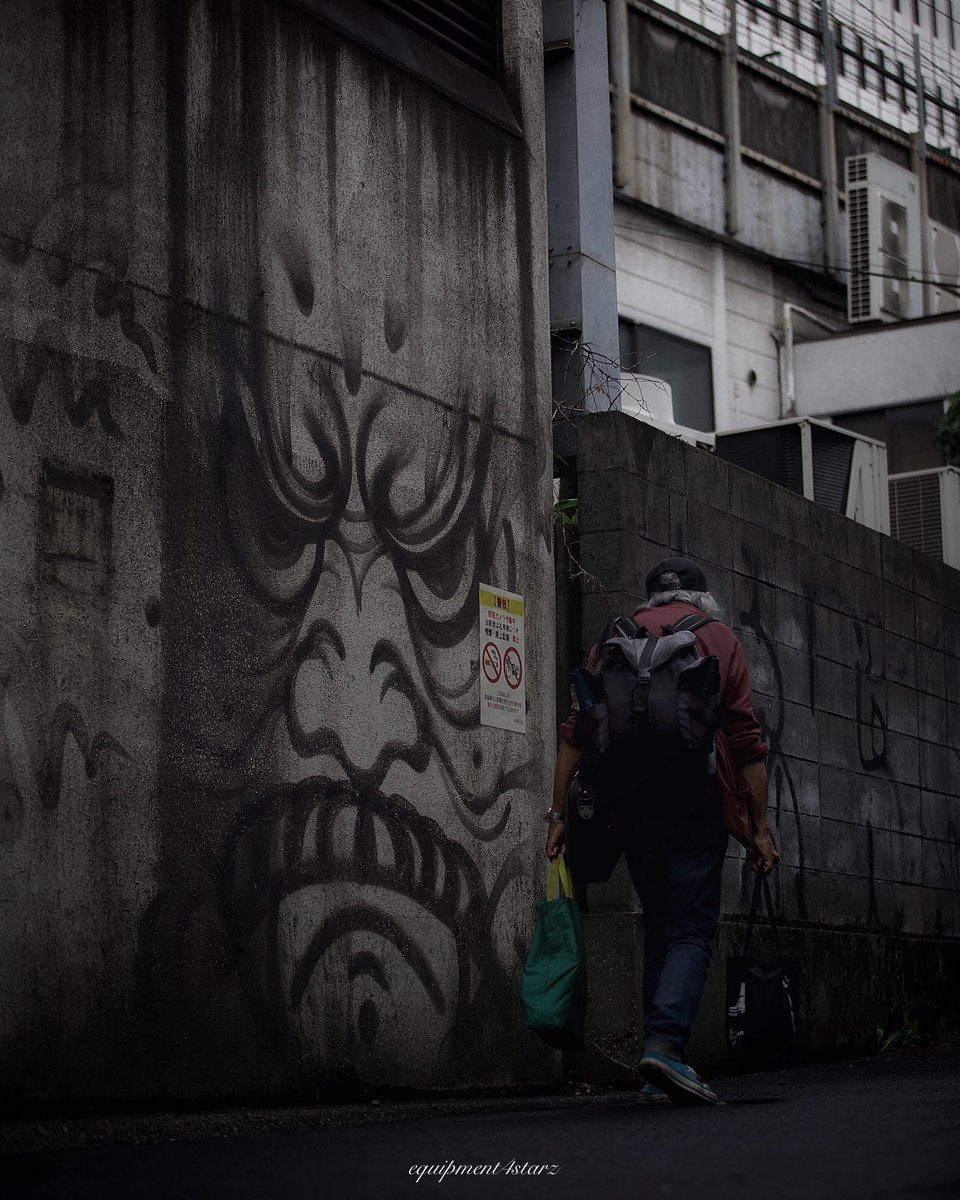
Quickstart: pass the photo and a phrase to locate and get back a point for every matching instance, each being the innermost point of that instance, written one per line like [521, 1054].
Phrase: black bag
[593, 838]
[763, 999]
[648, 701]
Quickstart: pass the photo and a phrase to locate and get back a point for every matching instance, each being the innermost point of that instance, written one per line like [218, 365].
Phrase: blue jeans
[675, 843]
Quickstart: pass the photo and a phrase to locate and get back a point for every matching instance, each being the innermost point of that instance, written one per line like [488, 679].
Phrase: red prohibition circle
[513, 656]
[492, 665]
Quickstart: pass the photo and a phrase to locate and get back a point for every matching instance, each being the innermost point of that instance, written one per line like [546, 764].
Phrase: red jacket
[740, 740]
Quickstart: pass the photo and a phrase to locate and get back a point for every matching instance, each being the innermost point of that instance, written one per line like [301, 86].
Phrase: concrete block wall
[263, 430]
[853, 641]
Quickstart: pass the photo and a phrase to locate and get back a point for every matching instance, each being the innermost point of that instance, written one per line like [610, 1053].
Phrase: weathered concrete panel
[780, 217]
[263, 429]
[677, 172]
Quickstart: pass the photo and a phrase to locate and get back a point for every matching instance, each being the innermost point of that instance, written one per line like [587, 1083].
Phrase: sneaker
[681, 1083]
[653, 1095]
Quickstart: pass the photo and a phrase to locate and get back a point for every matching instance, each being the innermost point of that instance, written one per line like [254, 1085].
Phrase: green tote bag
[553, 993]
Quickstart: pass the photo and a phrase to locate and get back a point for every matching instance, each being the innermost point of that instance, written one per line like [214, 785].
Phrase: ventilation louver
[467, 29]
[925, 512]
[883, 240]
[838, 469]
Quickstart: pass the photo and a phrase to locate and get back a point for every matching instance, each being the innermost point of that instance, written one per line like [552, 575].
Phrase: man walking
[674, 831]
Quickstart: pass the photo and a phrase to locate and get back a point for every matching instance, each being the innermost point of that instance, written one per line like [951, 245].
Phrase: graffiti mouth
[365, 918]
[322, 837]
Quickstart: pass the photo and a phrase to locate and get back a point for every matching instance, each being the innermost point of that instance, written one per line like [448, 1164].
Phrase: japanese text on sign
[502, 656]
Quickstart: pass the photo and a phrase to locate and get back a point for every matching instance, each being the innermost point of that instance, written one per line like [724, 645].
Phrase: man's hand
[763, 852]
[555, 838]
[568, 760]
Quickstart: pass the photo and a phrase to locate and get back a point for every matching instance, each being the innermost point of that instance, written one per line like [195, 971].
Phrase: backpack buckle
[641, 696]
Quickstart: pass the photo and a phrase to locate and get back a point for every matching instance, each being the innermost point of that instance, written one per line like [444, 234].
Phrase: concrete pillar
[583, 279]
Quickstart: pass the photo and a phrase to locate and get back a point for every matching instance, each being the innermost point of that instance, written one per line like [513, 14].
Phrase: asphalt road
[874, 1128]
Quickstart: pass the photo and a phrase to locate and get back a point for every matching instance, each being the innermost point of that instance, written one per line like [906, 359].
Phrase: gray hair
[707, 602]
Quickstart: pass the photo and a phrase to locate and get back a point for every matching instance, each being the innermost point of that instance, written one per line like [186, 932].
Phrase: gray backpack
[650, 701]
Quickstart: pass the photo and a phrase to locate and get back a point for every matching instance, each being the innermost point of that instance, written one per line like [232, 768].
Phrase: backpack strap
[621, 627]
[689, 622]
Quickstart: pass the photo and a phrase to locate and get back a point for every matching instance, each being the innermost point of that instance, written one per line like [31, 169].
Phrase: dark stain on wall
[871, 722]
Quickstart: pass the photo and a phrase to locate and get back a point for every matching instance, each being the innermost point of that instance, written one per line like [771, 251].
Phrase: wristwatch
[554, 816]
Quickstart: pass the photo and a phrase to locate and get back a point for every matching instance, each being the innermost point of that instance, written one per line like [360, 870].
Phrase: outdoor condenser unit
[843, 471]
[925, 512]
[650, 399]
[883, 240]
[943, 264]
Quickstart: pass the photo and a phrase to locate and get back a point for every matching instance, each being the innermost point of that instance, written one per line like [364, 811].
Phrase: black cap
[676, 574]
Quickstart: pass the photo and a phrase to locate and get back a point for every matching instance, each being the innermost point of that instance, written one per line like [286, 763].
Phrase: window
[676, 72]
[685, 365]
[907, 429]
[779, 123]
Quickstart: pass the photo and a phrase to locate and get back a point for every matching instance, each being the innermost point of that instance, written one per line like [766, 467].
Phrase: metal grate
[832, 459]
[857, 169]
[467, 29]
[775, 453]
[915, 513]
[858, 242]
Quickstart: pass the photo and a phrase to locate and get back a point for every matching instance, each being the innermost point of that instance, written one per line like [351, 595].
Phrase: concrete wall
[870, 369]
[677, 281]
[852, 640]
[263, 429]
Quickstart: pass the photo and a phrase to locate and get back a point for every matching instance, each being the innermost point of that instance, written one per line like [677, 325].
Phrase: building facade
[735, 218]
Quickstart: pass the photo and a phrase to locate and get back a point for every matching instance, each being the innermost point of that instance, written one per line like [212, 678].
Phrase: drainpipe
[919, 164]
[618, 30]
[788, 394]
[788, 400]
[731, 125]
[827, 102]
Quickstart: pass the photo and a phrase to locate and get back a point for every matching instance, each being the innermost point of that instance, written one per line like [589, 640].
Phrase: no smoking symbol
[512, 668]
[492, 664]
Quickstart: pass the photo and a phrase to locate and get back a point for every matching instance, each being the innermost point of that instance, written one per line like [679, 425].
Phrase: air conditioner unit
[650, 399]
[925, 512]
[843, 471]
[943, 264]
[883, 240]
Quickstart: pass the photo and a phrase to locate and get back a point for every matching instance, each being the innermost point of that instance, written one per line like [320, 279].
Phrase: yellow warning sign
[503, 700]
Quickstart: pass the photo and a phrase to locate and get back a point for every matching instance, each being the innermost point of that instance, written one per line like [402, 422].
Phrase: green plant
[907, 1035]
[886, 1041]
[947, 439]
[567, 512]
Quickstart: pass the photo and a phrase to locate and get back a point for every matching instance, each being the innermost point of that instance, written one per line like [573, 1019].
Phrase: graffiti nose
[352, 695]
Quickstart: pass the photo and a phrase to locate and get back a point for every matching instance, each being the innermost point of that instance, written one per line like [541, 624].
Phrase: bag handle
[763, 885]
[559, 879]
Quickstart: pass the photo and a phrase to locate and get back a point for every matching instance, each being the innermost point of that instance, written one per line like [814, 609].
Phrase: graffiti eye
[281, 546]
[429, 507]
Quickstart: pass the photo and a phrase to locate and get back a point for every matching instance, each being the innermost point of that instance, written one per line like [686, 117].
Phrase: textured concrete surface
[263, 429]
[872, 1129]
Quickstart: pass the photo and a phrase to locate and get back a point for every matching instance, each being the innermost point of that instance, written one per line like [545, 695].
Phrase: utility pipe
[788, 396]
[618, 31]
